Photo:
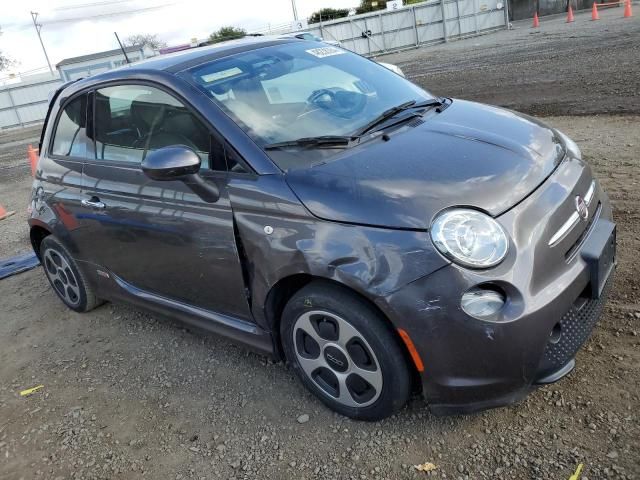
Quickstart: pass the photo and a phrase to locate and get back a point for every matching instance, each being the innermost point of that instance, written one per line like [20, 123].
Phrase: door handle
[93, 202]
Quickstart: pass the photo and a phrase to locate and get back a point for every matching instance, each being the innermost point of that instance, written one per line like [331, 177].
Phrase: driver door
[159, 237]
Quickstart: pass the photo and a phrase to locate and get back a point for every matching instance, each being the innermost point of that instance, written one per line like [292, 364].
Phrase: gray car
[316, 207]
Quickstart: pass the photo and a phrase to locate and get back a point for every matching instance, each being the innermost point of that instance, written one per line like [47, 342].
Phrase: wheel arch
[37, 233]
[286, 287]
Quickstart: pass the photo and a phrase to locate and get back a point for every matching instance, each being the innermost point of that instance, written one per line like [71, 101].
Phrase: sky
[78, 27]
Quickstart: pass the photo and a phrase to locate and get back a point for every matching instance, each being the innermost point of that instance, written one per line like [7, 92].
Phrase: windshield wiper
[324, 140]
[346, 140]
[390, 113]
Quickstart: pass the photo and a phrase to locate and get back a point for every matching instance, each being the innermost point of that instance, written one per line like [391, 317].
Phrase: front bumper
[473, 365]
[470, 364]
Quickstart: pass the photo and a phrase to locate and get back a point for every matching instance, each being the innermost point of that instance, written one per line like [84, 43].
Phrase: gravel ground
[129, 394]
[580, 68]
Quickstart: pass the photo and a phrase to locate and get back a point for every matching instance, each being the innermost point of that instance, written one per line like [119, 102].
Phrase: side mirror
[171, 163]
[180, 163]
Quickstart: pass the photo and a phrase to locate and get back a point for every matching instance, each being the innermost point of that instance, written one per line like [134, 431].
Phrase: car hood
[468, 155]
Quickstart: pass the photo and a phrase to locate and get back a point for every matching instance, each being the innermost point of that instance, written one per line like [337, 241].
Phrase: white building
[86, 65]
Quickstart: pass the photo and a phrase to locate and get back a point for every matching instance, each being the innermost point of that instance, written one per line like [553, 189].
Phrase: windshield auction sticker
[325, 51]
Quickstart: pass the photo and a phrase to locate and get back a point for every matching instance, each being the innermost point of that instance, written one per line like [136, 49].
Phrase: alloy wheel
[61, 277]
[337, 358]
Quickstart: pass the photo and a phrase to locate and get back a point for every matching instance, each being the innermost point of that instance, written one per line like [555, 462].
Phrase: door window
[131, 120]
[70, 138]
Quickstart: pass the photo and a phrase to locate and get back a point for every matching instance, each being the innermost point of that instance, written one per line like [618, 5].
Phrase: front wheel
[345, 352]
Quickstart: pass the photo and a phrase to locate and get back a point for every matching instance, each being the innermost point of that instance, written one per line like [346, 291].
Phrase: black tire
[377, 335]
[65, 277]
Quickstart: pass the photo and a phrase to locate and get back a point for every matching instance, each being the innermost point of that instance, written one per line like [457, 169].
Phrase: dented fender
[282, 238]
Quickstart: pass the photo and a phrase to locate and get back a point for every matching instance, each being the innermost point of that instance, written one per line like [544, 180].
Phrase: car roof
[178, 61]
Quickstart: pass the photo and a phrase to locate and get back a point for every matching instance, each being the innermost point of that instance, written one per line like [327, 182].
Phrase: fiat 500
[311, 204]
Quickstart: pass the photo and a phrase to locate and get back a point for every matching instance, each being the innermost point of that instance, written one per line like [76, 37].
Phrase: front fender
[373, 261]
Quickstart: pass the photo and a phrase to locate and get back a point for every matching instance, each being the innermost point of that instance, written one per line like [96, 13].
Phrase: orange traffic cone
[570, 14]
[594, 12]
[627, 9]
[32, 155]
[536, 22]
[4, 214]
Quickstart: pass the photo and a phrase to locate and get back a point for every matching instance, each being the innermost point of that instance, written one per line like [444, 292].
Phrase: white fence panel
[422, 23]
[33, 113]
[5, 100]
[33, 93]
[490, 20]
[9, 117]
[26, 102]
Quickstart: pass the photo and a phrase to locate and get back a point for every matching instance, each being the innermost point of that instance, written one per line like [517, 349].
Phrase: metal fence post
[366, 29]
[415, 25]
[506, 14]
[16, 110]
[444, 21]
[384, 46]
[475, 14]
[353, 37]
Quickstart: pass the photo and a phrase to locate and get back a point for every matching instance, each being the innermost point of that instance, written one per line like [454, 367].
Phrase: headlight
[572, 148]
[469, 238]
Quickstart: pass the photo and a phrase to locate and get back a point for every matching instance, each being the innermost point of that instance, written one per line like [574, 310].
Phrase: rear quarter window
[70, 136]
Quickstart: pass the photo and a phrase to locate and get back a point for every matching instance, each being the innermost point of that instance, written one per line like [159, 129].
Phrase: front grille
[575, 327]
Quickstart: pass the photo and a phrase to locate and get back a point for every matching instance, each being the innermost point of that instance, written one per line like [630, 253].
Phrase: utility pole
[295, 10]
[34, 16]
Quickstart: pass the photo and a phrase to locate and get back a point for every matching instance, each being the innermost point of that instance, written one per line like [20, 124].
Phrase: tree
[227, 33]
[145, 39]
[6, 62]
[371, 6]
[328, 14]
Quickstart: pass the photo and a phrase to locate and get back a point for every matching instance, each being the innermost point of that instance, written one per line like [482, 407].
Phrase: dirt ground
[129, 394]
[559, 69]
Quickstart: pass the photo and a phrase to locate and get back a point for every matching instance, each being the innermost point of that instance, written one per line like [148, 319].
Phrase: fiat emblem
[581, 208]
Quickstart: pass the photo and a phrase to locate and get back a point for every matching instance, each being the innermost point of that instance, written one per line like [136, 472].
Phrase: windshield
[303, 89]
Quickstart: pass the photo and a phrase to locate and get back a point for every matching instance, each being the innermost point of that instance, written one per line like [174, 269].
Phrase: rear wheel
[65, 277]
[345, 352]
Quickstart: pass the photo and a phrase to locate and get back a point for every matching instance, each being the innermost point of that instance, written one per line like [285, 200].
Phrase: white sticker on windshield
[212, 77]
[325, 51]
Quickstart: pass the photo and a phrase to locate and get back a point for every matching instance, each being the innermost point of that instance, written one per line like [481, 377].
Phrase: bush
[227, 33]
[328, 14]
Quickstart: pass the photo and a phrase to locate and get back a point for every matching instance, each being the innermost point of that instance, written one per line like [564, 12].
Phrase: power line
[89, 5]
[106, 15]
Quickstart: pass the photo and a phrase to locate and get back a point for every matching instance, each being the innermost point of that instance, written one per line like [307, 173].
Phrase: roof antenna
[122, 48]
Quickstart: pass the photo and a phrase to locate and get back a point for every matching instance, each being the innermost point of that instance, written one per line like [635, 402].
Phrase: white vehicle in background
[311, 37]
[394, 68]
[336, 43]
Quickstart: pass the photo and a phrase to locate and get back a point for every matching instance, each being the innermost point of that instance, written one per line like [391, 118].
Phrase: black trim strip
[219, 318]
